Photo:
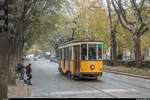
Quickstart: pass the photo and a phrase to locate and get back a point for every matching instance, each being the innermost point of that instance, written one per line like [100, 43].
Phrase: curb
[127, 74]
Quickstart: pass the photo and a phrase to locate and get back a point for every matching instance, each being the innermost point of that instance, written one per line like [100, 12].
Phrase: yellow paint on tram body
[85, 66]
[64, 67]
[72, 67]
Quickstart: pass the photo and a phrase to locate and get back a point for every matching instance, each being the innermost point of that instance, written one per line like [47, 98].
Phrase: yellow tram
[81, 58]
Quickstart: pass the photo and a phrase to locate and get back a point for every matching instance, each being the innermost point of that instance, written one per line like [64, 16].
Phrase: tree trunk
[15, 54]
[114, 46]
[20, 51]
[14, 59]
[137, 51]
[4, 45]
[12, 64]
[21, 39]
[113, 37]
[131, 56]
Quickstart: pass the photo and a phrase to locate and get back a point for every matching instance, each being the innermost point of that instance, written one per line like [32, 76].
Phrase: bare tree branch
[141, 27]
[119, 17]
[136, 10]
[115, 25]
[145, 30]
[142, 4]
[123, 13]
[33, 5]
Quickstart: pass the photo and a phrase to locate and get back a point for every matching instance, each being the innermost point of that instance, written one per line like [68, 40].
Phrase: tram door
[64, 58]
[77, 57]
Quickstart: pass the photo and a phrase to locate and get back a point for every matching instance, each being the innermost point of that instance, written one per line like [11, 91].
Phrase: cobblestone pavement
[49, 83]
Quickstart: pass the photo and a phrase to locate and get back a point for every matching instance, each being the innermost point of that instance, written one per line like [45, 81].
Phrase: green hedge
[127, 63]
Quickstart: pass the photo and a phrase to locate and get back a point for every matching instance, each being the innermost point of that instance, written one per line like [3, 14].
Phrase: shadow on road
[80, 80]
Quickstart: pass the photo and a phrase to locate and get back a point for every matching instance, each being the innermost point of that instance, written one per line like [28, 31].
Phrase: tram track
[127, 74]
[101, 91]
[82, 85]
[57, 85]
[127, 83]
[95, 88]
[109, 91]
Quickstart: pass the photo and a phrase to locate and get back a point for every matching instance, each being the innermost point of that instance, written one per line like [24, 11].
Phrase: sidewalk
[18, 91]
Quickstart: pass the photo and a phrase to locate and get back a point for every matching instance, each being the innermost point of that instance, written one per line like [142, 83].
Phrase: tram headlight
[92, 67]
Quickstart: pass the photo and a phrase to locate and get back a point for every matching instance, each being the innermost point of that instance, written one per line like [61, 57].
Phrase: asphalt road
[49, 83]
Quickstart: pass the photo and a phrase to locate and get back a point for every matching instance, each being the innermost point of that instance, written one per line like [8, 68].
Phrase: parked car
[53, 59]
[27, 59]
[38, 56]
[35, 59]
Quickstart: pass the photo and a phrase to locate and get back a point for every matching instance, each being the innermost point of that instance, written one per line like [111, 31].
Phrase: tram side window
[60, 54]
[63, 53]
[92, 52]
[84, 51]
[66, 54]
[99, 51]
[70, 53]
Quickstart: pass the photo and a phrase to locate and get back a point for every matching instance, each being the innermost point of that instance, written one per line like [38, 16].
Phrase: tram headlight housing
[92, 67]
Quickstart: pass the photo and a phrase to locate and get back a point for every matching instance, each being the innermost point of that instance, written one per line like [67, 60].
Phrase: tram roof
[80, 40]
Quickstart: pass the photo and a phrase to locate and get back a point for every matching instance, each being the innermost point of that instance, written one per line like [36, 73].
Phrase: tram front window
[92, 52]
[84, 51]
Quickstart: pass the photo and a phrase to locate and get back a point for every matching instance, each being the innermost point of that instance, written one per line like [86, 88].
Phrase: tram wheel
[73, 77]
[60, 70]
[69, 74]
